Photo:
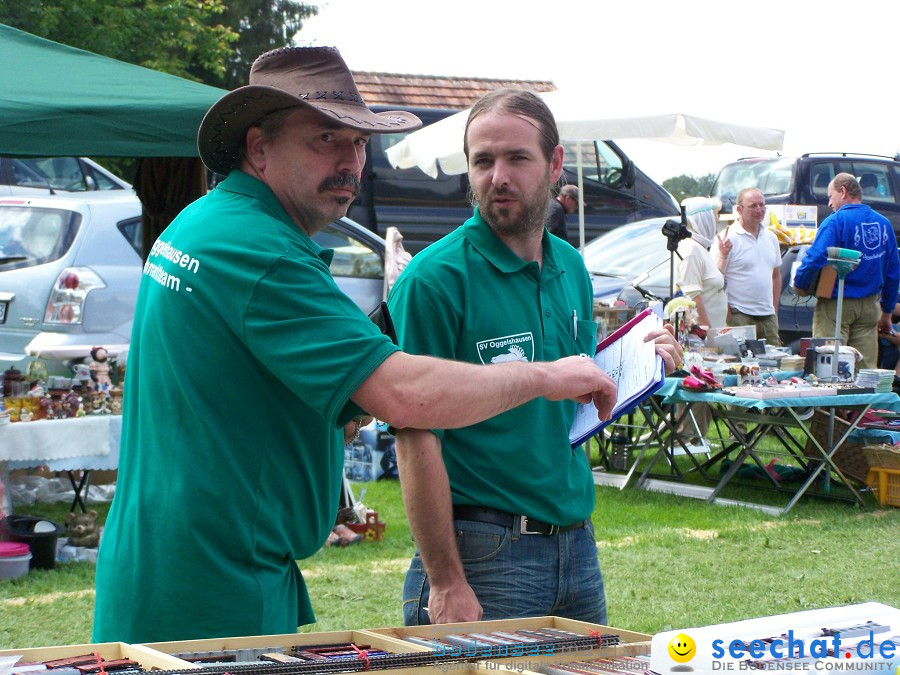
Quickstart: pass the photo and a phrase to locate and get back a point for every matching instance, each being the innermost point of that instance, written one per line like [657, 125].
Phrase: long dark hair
[518, 102]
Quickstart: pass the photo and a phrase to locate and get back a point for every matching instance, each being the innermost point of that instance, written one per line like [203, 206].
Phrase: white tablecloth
[90, 442]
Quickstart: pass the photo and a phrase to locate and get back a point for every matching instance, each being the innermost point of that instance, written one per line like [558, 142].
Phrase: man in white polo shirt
[748, 256]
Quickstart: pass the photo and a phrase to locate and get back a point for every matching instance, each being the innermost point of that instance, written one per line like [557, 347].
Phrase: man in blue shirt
[870, 290]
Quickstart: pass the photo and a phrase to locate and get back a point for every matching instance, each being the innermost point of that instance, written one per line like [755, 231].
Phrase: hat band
[348, 96]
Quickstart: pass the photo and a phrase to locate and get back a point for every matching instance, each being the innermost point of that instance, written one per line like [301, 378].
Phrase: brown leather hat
[286, 78]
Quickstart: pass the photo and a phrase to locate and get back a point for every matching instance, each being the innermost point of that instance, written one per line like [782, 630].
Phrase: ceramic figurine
[82, 372]
[83, 529]
[100, 369]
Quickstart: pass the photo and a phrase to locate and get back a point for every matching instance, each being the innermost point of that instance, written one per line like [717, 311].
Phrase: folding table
[76, 444]
[779, 416]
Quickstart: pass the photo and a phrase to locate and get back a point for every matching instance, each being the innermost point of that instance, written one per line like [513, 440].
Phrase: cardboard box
[148, 658]
[288, 640]
[610, 654]
[526, 661]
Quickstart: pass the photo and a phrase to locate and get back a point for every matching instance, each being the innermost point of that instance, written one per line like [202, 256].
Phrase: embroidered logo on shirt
[519, 347]
[871, 233]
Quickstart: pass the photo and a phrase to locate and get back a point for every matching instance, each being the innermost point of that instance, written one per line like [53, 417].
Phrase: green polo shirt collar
[482, 238]
[241, 183]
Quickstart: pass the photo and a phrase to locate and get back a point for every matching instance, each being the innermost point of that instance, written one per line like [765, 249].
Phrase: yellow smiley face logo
[682, 648]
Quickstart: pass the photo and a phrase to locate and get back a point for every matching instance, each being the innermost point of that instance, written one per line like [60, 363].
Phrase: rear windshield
[771, 176]
[34, 236]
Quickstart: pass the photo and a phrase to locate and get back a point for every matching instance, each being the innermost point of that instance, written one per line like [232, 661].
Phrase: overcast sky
[823, 71]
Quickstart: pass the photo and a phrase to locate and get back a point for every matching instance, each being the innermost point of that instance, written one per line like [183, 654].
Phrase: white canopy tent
[441, 144]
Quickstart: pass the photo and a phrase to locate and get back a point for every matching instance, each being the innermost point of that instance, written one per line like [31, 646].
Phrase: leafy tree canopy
[685, 185]
[260, 26]
[206, 40]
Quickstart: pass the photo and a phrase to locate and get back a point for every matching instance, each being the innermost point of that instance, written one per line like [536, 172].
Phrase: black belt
[759, 317]
[496, 517]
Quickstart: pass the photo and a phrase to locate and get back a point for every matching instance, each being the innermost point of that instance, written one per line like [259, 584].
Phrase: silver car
[70, 268]
[38, 176]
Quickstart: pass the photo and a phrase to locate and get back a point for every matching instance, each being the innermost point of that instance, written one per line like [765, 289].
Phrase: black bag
[382, 318]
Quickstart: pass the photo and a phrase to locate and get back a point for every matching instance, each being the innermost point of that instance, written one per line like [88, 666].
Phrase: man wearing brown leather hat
[249, 369]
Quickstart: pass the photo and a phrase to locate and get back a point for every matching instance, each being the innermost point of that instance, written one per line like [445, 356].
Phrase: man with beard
[501, 510]
[249, 370]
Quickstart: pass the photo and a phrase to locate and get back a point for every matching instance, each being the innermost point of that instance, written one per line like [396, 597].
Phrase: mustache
[340, 180]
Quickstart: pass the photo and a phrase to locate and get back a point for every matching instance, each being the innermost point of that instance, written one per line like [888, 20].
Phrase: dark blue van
[424, 209]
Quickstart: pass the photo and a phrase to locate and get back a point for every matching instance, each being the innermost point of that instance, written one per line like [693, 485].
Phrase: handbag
[382, 318]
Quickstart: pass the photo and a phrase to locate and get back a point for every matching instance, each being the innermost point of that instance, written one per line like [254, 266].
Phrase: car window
[34, 236]
[131, 230]
[71, 174]
[820, 175]
[875, 182]
[352, 256]
[772, 177]
[101, 181]
[599, 162]
[27, 174]
[64, 173]
[627, 253]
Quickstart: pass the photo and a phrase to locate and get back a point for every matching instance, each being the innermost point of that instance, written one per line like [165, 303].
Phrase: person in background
[869, 185]
[500, 511]
[696, 272]
[749, 258]
[889, 345]
[249, 370]
[870, 290]
[699, 279]
[566, 202]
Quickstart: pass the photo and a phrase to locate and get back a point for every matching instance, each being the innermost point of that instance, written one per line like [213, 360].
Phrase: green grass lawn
[667, 561]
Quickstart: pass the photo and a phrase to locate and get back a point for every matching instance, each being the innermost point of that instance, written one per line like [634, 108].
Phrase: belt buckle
[523, 527]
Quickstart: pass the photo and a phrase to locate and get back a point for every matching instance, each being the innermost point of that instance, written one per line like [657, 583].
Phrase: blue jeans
[518, 575]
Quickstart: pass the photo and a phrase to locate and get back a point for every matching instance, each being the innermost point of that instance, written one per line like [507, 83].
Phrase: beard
[525, 217]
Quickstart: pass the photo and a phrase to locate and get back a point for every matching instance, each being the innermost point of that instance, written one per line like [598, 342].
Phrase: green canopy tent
[56, 100]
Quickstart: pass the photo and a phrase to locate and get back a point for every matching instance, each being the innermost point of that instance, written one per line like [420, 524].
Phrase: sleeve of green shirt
[425, 319]
[319, 343]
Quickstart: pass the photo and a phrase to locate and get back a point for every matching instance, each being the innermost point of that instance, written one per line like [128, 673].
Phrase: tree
[685, 185]
[204, 40]
[211, 41]
[260, 26]
[180, 38]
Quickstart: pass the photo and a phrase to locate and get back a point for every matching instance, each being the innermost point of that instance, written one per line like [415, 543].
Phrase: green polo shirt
[470, 298]
[243, 358]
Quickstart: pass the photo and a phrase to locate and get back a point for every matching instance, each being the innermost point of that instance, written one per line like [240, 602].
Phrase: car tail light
[66, 303]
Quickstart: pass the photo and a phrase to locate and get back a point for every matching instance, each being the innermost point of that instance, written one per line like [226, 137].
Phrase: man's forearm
[426, 495]
[776, 288]
[429, 393]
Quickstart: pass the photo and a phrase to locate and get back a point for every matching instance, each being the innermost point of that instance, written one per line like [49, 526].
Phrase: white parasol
[578, 120]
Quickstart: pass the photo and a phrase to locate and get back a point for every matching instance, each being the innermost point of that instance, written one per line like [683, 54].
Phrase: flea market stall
[856, 637]
[650, 442]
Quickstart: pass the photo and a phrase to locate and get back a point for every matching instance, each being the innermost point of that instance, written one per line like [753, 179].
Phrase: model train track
[362, 662]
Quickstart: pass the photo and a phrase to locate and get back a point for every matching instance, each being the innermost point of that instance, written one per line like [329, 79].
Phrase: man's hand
[453, 604]
[884, 324]
[351, 429]
[724, 243]
[579, 378]
[667, 347]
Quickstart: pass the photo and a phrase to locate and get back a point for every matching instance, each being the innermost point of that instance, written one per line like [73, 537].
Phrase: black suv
[424, 209]
[804, 180]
